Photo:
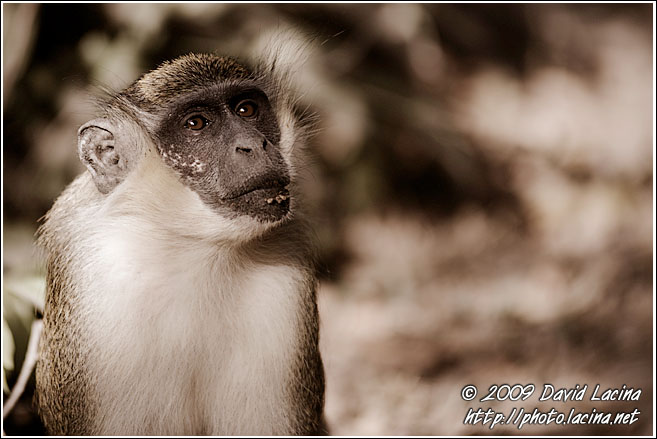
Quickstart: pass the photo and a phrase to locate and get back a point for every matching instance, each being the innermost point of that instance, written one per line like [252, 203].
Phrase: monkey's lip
[265, 204]
[268, 192]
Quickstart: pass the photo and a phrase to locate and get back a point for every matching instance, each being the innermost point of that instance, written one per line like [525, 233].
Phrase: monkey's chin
[269, 205]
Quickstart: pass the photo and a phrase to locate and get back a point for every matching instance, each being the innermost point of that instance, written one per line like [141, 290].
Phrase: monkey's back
[62, 381]
[63, 392]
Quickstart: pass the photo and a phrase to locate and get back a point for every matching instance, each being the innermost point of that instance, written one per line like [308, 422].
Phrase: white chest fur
[187, 340]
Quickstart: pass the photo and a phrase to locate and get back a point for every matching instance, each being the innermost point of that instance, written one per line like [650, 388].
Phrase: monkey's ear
[99, 153]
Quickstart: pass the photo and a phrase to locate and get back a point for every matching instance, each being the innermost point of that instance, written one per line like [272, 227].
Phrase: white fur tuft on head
[281, 55]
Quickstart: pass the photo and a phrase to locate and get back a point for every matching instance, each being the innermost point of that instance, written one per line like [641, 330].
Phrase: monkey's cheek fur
[267, 205]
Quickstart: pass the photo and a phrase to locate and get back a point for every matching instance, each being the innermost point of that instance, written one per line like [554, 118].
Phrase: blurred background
[481, 185]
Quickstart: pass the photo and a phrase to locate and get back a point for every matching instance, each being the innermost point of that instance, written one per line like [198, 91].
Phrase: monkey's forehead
[180, 75]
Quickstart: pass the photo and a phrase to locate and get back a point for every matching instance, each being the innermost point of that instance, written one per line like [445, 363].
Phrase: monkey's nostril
[241, 149]
[264, 144]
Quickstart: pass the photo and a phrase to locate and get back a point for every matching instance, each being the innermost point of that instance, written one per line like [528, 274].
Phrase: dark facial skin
[223, 141]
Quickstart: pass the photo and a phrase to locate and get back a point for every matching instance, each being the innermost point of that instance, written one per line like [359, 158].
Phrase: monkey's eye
[196, 123]
[246, 109]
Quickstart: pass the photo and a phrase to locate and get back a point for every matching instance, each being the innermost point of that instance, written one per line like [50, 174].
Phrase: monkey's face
[206, 123]
[224, 143]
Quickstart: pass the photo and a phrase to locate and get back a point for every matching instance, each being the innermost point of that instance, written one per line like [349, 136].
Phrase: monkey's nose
[247, 149]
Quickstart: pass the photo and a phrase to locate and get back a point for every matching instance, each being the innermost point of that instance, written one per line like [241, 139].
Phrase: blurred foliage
[23, 290]
[480, 182]
[22, 299]
[7, 353]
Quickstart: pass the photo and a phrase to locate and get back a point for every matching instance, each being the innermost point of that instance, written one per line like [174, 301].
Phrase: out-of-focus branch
[28, 365]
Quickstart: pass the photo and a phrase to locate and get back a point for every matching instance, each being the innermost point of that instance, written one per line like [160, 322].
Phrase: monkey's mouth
[282, 196]
[264, 203]
[273, 194]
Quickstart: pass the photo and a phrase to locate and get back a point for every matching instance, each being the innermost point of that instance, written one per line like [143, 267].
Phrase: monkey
[180, 271]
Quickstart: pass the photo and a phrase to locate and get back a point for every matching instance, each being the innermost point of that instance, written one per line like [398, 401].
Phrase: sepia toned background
[481, 185]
